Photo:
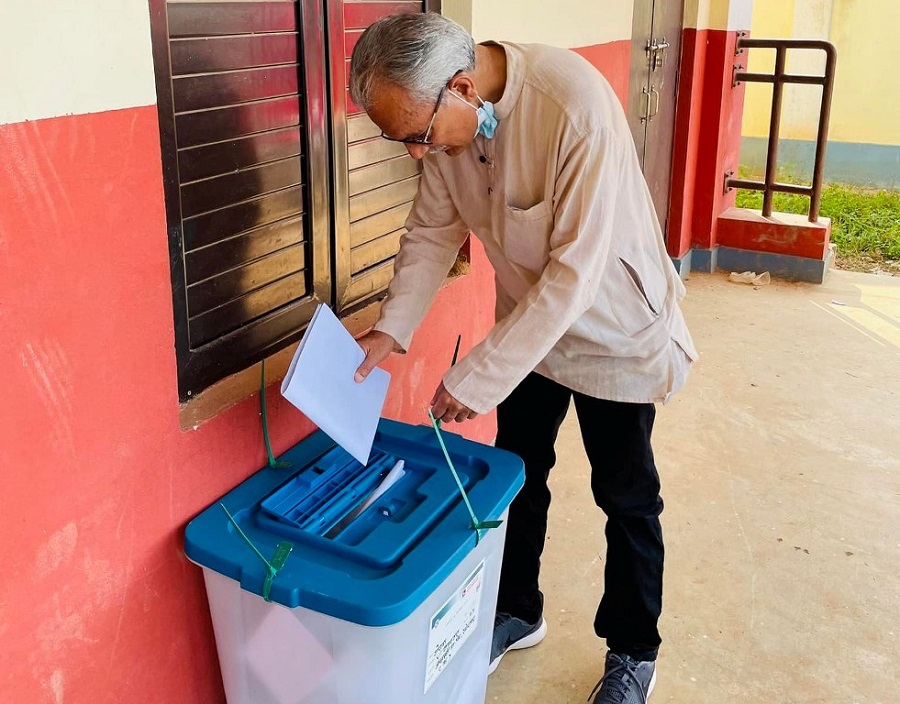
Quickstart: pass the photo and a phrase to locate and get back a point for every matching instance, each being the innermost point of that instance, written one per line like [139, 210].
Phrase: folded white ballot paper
[320, 383]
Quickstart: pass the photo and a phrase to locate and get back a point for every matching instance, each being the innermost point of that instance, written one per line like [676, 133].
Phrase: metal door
[655, 58]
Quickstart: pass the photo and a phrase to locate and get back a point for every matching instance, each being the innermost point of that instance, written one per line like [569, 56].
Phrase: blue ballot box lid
[373, 567]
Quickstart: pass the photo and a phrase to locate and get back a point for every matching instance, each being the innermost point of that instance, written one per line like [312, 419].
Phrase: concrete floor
[781, 474]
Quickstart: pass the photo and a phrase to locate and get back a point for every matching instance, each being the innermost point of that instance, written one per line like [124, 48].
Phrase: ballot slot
[350, 511]
[325, 494]
[386, 481]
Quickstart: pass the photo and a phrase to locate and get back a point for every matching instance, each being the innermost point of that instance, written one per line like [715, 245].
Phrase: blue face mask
[487, 121]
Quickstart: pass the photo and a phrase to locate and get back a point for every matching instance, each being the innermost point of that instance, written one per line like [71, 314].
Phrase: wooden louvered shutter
[245, 158]
[375, 180]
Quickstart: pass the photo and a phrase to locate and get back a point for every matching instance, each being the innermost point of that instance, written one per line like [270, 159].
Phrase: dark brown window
[279, 192]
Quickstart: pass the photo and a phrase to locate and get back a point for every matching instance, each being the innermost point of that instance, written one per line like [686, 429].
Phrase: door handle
[651, 110]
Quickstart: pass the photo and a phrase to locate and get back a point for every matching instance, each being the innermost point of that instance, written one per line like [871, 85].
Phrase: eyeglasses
[424, 137]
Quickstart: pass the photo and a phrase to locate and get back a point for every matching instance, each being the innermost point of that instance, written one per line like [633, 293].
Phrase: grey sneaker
[626, 681]
[511, 633]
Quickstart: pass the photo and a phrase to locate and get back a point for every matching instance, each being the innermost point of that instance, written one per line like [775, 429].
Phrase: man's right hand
[378, 347]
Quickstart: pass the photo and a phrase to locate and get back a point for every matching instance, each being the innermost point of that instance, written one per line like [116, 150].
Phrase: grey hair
[418, 52]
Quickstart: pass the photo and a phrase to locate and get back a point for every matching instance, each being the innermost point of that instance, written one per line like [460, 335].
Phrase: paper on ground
[320, 383]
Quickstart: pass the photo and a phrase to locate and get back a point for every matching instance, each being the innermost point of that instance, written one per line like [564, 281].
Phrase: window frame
[202, 367]
[346, 301]
[323, 95]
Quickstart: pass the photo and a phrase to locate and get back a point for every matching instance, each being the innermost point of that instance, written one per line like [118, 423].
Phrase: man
[528, 147]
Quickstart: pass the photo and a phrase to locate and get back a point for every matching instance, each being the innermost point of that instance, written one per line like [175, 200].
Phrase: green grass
[865, 224]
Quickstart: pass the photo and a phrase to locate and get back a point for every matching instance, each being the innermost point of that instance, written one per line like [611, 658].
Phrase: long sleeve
[427, 252]
[585, 195]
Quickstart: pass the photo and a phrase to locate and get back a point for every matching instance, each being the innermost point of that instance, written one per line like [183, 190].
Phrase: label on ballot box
[452, 625]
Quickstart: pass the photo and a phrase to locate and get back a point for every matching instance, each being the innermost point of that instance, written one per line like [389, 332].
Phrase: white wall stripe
[63, 57]
[739, 15]
[566, 23]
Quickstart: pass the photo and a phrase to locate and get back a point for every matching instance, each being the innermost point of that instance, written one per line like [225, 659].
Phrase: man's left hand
[448, 409]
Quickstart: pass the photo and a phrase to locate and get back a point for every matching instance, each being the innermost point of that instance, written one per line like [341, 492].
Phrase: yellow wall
[717, 14]
[867, 82]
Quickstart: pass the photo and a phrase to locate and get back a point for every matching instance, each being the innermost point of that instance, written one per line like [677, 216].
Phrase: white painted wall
[566, 23]
[740, 14]
[63, 57]
[458, 11]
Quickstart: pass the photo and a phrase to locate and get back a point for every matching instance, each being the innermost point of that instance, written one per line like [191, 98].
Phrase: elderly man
[527, 147]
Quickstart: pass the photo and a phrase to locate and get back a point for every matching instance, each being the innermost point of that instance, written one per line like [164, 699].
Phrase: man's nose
[417, 151]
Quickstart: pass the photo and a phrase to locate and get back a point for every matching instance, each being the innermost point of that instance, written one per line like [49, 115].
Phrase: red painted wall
[707, 138]
[720, 129]
[781, 233]
[97, 602]
[613, 60]
[687, 140]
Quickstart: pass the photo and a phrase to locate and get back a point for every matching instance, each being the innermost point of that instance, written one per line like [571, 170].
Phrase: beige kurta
[586, 292]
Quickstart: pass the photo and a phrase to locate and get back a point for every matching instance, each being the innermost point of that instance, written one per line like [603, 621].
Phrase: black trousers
[625, 485]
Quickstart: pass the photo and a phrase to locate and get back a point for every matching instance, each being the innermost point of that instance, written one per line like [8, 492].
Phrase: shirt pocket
[526, 235]
[638, 296]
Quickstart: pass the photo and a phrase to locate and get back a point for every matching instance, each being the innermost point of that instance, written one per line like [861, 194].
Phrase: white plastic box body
[271, 654]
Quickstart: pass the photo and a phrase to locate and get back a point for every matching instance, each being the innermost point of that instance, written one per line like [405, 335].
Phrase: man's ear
[464, 85]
